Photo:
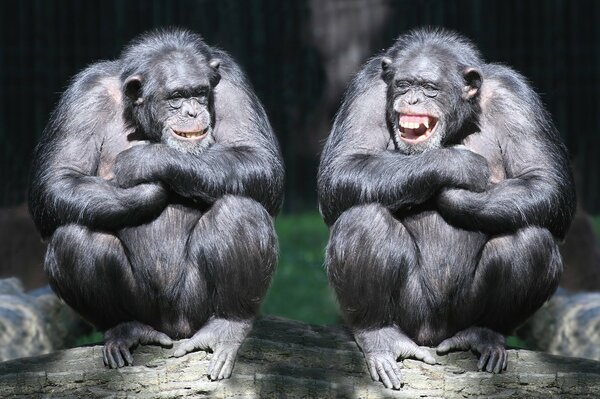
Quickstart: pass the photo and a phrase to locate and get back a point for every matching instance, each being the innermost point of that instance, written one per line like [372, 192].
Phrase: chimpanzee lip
[190, 135]
[416, 128]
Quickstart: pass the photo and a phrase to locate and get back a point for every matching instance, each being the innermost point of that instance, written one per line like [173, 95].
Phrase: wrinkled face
[428, 100]
[176, 101]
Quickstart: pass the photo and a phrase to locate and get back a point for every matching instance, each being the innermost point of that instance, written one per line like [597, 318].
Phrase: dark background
[299, 56]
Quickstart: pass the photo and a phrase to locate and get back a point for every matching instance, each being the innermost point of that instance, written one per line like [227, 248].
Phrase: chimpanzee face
[175, 101]
[428, 99]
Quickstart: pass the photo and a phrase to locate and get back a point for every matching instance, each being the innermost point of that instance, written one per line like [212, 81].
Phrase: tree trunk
[283, 358]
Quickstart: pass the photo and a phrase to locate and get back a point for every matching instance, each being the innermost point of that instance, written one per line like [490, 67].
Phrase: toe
[184, 348]
[424, 355]
[227, 368]
[156, 337]
[483, 359]
[217, 363]
[445, 346]
[491, 364]
[105, 356]
[373, 369]
[383, 375]
[499, 362]
[393, 373]
[116, 354]
[126, 355]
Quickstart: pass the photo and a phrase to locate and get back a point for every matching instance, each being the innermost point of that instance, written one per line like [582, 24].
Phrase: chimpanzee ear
[215, 63]
[386, 68]
[385, 63]
[133, 88]
[472, 83]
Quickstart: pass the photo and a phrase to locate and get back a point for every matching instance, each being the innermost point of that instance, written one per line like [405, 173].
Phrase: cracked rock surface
[284, 358]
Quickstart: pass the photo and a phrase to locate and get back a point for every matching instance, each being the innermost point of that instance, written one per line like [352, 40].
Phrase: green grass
[300, 289]
[94, 337]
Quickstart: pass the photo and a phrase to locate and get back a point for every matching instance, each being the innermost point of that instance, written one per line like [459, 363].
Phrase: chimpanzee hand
[471, 170]
[137, 165]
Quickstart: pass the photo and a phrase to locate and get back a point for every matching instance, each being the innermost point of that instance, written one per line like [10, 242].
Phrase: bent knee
[240, 221]
[361, 220]
[368, 235]
[530, 254]
[70, 233]
[240, 208]
[73, 247]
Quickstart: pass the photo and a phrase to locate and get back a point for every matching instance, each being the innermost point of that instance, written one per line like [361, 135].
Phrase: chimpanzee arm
[64, 187]
[358, 164]
[244, 160]
[539, 188]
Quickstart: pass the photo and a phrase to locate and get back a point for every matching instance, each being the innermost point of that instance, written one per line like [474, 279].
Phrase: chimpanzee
[156, 181]
[446, 188]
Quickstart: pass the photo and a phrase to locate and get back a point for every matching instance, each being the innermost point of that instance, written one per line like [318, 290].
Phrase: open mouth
[190, 134]
[416, 128]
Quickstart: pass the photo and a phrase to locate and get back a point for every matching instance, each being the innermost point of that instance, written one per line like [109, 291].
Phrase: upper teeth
[188, 134]
[412, 124]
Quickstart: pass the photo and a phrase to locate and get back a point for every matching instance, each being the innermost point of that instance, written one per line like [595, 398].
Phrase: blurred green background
[299, 289]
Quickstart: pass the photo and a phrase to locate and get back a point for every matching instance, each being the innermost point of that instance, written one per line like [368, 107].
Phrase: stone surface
[34, 323]
[283, 358]
[568, 325]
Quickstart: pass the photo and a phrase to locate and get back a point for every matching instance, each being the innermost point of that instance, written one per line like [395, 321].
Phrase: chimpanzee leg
[236, 242]
[90, 271]
[368, 258]
[515, 276]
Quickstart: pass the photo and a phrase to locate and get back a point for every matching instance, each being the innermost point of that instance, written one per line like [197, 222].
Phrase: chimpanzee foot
[221, 336]
[489, 344]
[119, 340]
[383, 347]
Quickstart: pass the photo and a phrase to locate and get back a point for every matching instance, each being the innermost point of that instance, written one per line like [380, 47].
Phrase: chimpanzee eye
[176, 102]
[175, 99]
[403, 86]
[430, 90]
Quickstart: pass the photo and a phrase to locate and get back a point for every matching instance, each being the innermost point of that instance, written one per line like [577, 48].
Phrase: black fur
[150, 234]
[455, 232]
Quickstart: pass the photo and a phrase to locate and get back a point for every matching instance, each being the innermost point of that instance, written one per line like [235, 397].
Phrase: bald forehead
[178, 69]
[425, 63]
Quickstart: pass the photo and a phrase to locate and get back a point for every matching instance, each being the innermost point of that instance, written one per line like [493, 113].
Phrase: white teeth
[427, 123]
[188, 135]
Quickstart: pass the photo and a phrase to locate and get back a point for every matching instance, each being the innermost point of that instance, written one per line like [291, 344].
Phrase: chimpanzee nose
[412, 100]
[190, 110]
